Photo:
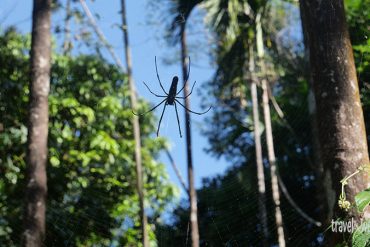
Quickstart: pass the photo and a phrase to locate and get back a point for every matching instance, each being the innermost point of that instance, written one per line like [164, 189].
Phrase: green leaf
[361, 237]
[362, 199]
[54, 161]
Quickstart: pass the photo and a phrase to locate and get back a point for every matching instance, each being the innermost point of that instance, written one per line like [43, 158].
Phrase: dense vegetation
[91, 173]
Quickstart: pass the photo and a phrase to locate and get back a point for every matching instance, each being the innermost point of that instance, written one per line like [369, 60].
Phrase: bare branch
[100, 34]
[177, 172]
[294, 205]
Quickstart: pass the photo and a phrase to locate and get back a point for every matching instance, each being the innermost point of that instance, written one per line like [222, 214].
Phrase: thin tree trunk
[36, 185]
[258, 148]
[340, 118]
[136, 126]
[272, 161]
[269, 135]
[192, 191]
[135, 121]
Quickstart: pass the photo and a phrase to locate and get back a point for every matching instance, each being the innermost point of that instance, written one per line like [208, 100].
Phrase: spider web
[241, 210]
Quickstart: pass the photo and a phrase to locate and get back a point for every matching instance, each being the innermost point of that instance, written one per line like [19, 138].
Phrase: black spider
[171, 97]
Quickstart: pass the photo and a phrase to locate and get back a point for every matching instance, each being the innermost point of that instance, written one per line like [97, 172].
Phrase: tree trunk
[258, 148]
[136, 126]
[36, 186]
[269, 135]
[325, 195]
[340, 118]
[192, 191]
[272, 161]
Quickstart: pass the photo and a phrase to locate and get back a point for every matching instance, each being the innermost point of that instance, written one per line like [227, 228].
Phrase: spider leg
[160, 120]
[187, 78]
[162, 96]
[178, 120]
[198, 113]
[189, 93]
[150, 109]
[159, 80]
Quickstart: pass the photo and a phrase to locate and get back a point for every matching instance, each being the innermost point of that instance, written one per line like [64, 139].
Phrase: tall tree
[181, 10]
[38, 119]
[136, 126]
[339, 113]
[258, 149]
[234, 23]
[268, 130]
[325, 194]
[192, 191]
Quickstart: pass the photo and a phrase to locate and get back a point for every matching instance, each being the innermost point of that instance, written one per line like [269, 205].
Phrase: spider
[171, 98]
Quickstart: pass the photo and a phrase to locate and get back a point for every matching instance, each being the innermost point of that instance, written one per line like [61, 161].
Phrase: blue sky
[146, 42]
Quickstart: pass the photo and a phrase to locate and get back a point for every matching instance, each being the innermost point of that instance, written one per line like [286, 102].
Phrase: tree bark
[38, 118]
[269, 135]
[325, 194]
[340, 118]
[192, 191]
[272, 161]
[258, 149]
[136, 126]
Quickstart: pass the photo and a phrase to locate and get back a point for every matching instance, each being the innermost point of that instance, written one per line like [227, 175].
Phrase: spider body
[173, 91]
[171, 98]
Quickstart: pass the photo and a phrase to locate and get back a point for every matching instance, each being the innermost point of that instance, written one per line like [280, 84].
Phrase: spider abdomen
[173, 91]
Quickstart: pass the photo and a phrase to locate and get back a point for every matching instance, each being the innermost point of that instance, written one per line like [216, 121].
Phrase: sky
[146, 42]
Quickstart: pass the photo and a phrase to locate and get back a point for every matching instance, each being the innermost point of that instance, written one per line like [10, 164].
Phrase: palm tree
[181, 10]
[233, 21]
[135, 123]
[269, 134]
[38, 118]
[258, 149]
[192, 191]
[340, 117]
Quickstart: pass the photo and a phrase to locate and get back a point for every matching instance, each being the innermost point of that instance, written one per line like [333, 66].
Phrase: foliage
[173, 15]
[91, 171]
[358, 15]
[361, 236]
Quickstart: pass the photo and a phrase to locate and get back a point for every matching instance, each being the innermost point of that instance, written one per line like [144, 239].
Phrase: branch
[67, 30]
[280, 113]
[294, 205]
[100, 34]
[281, 183]
[178, 174]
